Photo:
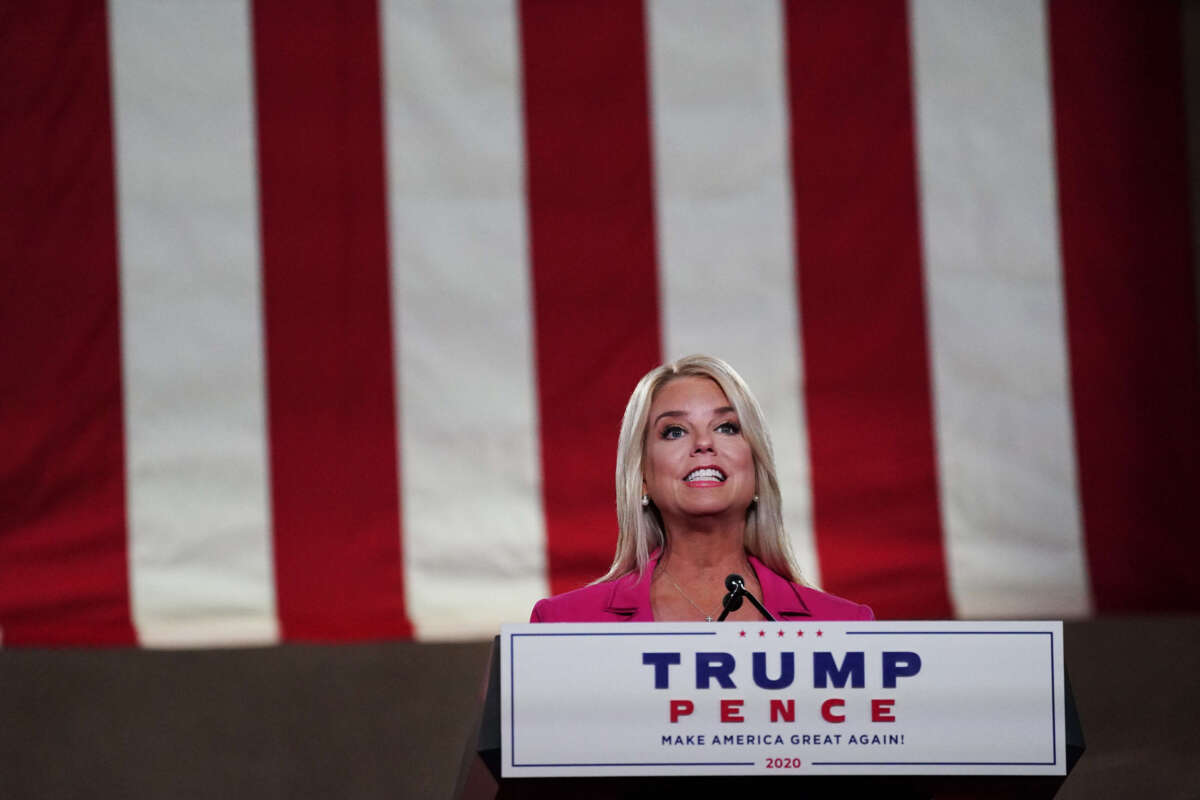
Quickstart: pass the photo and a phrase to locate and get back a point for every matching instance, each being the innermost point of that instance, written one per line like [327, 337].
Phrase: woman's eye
[672, 432]
[729, 427]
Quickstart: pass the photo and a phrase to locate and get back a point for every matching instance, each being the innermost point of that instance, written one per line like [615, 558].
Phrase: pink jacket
[627, 599]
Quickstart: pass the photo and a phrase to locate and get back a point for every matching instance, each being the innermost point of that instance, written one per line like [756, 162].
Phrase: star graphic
[762, 633]
[799, 633]
[742, 634]
[781, 633]
[820, 632]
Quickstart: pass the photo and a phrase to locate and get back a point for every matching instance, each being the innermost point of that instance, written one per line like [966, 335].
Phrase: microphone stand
[736, 585]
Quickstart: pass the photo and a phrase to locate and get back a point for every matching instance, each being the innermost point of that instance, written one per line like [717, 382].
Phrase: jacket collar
[780, 596]
[629, 599]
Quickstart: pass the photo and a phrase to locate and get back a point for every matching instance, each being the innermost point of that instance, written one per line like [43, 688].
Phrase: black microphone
[736, 585]
[731, 602]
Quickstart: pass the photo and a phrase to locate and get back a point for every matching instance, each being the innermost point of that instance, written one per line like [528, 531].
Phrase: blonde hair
[640, 527]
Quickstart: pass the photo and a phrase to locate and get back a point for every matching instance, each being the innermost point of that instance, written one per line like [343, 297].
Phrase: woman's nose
[703, 444]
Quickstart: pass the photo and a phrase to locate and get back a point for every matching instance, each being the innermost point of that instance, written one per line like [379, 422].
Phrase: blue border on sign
[1053, 711]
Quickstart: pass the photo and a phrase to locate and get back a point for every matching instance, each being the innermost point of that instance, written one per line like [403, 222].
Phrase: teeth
[706, 474]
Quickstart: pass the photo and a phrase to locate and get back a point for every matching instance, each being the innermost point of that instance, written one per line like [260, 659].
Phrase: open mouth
[705, 474]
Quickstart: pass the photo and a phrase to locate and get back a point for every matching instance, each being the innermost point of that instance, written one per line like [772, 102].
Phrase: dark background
[392, 719]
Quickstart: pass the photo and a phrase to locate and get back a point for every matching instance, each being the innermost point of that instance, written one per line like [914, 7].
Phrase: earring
[645, 500]
[754, 502]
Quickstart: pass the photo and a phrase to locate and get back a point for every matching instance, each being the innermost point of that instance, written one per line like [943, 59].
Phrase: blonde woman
[697, 500]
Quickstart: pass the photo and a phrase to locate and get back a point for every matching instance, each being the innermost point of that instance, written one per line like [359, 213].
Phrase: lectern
[893, 710]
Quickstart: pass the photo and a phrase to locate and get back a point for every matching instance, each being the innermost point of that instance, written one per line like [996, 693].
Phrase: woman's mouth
[705, 476]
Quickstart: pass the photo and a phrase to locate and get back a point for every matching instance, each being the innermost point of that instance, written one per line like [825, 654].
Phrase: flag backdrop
[319, 316]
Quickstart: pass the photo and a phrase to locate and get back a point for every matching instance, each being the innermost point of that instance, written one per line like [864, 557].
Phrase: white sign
[828, 698]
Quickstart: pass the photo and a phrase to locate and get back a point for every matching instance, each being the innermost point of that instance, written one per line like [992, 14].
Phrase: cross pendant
[708, 619]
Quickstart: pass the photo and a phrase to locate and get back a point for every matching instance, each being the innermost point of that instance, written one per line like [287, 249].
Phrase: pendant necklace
[683, 594]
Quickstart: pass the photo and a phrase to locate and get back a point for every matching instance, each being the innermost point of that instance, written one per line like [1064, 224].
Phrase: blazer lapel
[629, 600]
[781, 597]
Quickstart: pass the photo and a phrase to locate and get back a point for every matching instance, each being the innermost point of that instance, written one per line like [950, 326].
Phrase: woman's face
[697, 462]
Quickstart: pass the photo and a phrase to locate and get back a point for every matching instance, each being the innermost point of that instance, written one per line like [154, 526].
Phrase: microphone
[736, 585]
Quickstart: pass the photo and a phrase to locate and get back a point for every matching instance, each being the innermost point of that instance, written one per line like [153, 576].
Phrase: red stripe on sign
[1130, 295]
[591, 216]
[862, 307]
[335, 491]
[63, 567]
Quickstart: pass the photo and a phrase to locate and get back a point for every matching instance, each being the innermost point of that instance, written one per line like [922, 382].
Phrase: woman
[697, 500]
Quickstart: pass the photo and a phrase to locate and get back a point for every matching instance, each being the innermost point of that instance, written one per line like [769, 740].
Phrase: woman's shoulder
[795, 601]
[625, 598]
[823, 605]
[571, 606]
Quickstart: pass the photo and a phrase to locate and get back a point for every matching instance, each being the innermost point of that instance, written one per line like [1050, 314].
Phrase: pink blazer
[627, 599]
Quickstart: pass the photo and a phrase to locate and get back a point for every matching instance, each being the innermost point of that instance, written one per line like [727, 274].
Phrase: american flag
[319, 316]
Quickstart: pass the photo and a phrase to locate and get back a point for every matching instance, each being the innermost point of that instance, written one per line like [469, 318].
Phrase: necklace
[683, 594]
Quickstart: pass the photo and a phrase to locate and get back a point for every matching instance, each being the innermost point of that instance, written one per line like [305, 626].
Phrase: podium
[481, 774]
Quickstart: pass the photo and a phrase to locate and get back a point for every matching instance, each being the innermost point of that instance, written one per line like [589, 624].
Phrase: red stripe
[1130, 294]
[335, 492]
[63, 566]
[862, 307]
[591, 216]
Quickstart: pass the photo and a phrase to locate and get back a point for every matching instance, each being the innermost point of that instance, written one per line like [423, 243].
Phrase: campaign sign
[827, 698]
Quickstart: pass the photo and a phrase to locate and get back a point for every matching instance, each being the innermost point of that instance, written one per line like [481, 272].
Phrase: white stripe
[474, 537]
[724, 212]
[199, 517]
[993, 272]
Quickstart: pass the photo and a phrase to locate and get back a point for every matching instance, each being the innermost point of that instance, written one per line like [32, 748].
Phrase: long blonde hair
[641, 528]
